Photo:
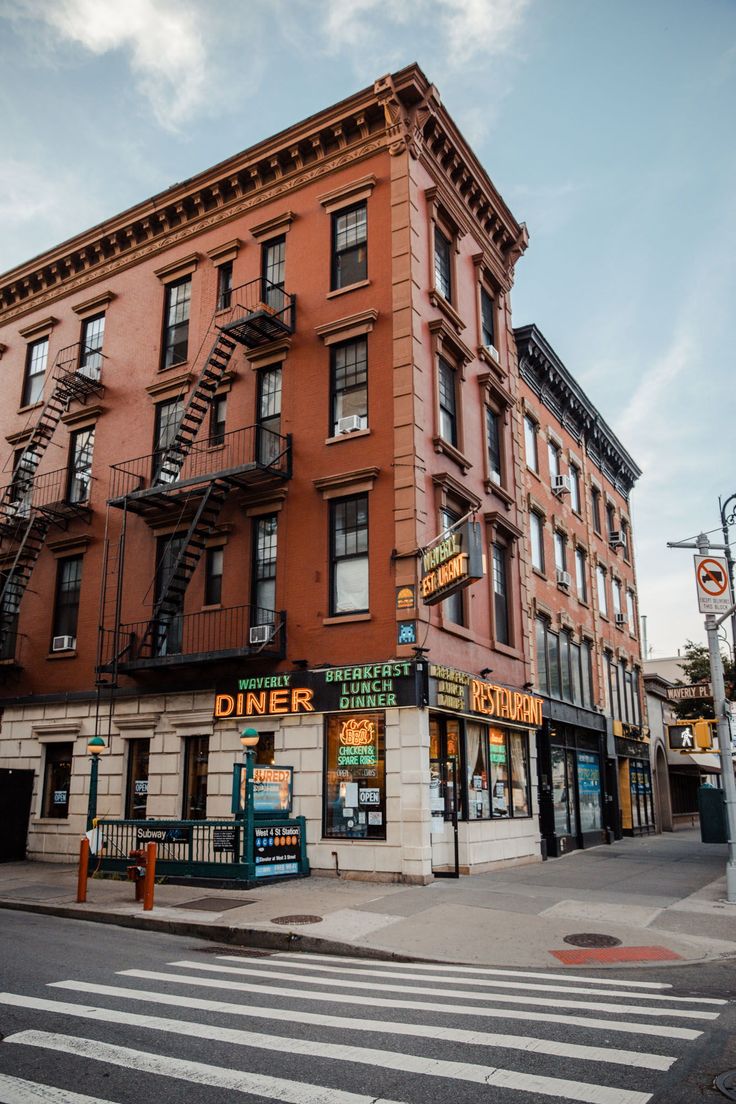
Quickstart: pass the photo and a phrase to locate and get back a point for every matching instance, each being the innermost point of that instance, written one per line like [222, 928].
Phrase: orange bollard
[149, 878]
[83, 871]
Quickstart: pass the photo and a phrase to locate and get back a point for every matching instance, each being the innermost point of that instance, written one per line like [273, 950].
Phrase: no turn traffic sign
[711, 578]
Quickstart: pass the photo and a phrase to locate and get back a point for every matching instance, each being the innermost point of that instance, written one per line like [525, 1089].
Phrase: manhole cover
[296, 920]
[726, 1083]
[592, 939]
[214, 904]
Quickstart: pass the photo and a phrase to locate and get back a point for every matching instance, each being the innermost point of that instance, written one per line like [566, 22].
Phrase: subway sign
[452, 563]
[327, 690]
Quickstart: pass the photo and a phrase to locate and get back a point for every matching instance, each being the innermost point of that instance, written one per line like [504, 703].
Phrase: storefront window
[355, 776]
[519, 745]
[559, 792]
[56, 779]
[479, 805]
[500, 801]
[589, 789]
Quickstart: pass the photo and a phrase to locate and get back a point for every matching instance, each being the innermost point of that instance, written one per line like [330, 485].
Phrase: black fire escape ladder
[171, 597]
[200, 401]
[69, 384]
[29, 533]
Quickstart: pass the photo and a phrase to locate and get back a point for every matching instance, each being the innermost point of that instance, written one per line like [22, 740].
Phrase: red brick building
[237, 415]
[594, 775]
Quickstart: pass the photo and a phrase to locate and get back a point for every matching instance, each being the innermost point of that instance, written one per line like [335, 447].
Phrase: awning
[711, 764]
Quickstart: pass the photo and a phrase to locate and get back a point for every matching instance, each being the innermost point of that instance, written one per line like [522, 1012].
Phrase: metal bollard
[83, 870]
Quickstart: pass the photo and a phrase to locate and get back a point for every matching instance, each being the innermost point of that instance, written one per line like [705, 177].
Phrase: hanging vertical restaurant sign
[453, 562]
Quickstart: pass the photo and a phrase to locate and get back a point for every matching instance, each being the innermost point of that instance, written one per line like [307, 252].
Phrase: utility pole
[726, 520]
[728, 781]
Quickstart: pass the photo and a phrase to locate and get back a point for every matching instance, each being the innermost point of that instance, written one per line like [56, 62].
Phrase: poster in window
[499, 772]
[589, 791]
[355, 776]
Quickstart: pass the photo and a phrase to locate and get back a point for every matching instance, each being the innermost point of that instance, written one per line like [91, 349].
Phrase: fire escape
[184, 485]
[31, 503]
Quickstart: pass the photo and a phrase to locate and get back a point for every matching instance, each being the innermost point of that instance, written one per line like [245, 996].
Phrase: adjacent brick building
[594, 773]
[237, 415]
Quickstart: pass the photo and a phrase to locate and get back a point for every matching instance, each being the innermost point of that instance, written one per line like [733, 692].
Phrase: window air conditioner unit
[63, 644]
[564, 579]
[561, 484]
[261, 634]
[617, 539]
[620, 618]
[492, 352]
[349, 424]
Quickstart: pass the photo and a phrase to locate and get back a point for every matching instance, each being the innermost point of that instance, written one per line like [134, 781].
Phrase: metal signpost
[714, 600]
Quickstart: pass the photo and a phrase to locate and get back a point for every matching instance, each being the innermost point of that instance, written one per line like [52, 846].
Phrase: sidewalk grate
[297, 919]
[592, 939]
[214, 904]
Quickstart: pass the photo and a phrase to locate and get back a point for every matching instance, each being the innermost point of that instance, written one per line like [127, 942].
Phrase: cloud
[163, 39]
[477, 28]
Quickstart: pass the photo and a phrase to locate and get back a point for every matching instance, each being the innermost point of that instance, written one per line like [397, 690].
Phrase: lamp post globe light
[95, 748]
[249, 741]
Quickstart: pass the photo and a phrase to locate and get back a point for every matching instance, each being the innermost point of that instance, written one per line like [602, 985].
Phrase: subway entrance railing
[205, 848]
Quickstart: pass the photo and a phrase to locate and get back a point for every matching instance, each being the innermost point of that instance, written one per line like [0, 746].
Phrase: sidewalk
[661, 896]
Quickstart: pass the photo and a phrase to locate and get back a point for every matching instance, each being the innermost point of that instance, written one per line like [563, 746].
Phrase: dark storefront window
[136, 792]
[354, 777]
[196, 757]
[57, 777]
[576, 791]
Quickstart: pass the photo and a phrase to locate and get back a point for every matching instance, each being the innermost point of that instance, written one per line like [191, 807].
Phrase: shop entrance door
[443, 805]
[16, 789]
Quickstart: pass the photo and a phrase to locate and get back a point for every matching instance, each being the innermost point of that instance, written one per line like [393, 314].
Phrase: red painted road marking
[616, 954]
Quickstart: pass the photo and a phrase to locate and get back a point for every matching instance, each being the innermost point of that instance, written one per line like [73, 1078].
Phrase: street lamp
[95, 748]
[249, 740]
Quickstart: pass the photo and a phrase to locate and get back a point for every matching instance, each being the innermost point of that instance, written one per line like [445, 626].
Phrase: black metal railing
[251, 447]
[186, 847]
[263, 298]
[79, 360]
[55, 492]
[11, 643]
[198, 637]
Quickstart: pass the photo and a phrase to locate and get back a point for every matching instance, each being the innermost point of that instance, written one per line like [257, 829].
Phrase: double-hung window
[595, 506]
[602, 594]
[493, 441]
[218, 419]
[616, 590]
[453, 608]
[349, 555]
[536, 528]
[448, 402]
[80, 465]
[631, 612]
[487, 321]
[553, 454]
[66, 603]
[57, 776]
[350, 385]
[560, 550]
[176, 322]
[501, 619]
[90, 352]
[581, 581]
[575, 489]
[213, 569]
[530, 443]
[269, 442]
[349, 246]
[273, 267]
[443, 264]
[168, 416]
[263, 587]
[224, 285]
[36, 359]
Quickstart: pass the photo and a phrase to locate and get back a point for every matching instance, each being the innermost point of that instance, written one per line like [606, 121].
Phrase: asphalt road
[92, 1014]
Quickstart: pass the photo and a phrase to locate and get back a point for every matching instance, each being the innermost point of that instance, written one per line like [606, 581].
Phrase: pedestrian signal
[695, 735]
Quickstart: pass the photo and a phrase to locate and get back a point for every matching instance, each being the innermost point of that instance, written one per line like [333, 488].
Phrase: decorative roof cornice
[401, 112]
[548, 377]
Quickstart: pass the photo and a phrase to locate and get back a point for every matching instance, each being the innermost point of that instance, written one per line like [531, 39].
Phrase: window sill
[458, 630]
[70, 654]
[30, 406]
[342, 618]
[491, 361]
[534, 473]
[182, 365]
[538, 571]
[214, 606]
[49, 820]
[500, 491]
[507, 650]
[583, 601]
[441, 445]
[349, 287]
[347, 436]
[438, 300]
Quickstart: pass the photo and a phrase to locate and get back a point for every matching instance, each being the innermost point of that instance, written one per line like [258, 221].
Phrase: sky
[607, 125]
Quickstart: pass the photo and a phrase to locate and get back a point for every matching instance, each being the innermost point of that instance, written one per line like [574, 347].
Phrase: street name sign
[711, 580]
[689, 693]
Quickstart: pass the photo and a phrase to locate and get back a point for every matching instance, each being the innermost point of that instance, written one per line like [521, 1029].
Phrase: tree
[696, 666]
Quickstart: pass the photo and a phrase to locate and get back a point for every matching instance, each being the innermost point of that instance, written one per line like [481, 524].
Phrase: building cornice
[544, 372]
[400, 113]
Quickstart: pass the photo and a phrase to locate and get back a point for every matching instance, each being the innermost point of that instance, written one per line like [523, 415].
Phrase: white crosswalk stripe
[438, 1033]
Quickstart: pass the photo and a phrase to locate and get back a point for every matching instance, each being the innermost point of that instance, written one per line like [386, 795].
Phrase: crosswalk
[311, 1029]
